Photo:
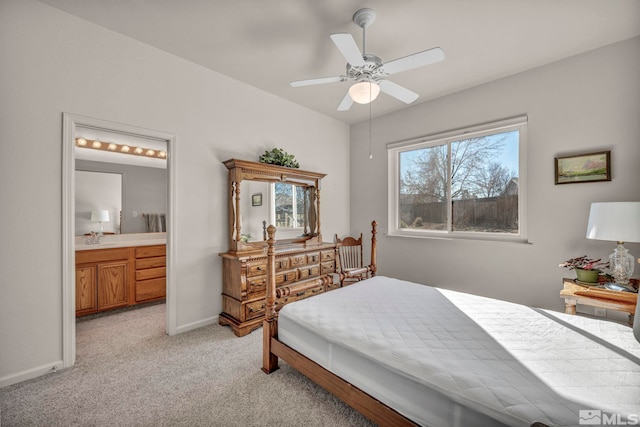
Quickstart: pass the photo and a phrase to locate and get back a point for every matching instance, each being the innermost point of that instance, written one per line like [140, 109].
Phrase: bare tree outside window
[472, 180]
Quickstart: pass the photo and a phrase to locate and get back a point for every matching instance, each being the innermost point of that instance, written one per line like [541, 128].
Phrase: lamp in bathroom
[100, 217]
[618, 222]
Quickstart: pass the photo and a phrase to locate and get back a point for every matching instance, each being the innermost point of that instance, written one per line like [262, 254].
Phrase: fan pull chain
[370, 154]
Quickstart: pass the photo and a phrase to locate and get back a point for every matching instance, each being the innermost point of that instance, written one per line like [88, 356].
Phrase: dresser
[304, 263]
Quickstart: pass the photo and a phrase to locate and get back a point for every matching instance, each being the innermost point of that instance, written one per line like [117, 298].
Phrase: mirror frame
[241, 170]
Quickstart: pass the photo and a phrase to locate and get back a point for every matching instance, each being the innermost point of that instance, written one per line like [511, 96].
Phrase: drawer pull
[299, 294]
[259, 268]
[252, 310]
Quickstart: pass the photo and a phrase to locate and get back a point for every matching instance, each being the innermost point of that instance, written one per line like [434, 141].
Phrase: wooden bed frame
[273, 350]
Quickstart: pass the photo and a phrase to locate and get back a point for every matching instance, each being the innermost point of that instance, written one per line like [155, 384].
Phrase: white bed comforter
[509, 361]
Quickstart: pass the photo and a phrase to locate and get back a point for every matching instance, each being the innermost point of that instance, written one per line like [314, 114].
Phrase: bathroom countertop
[122, 241]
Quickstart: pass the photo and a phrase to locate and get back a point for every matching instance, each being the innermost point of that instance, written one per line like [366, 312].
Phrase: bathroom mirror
[132, 188]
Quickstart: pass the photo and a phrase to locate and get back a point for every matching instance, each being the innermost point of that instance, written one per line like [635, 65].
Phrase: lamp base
[621, 263]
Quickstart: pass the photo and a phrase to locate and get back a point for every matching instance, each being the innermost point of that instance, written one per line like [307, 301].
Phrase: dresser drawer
[282, 263]
[286, 277]
[309, 271]
[313, 258]
[327, 255]
[256, 284]
[254, 309]
[297, 260]
[327, 267]
[296, 296]
[255, 268]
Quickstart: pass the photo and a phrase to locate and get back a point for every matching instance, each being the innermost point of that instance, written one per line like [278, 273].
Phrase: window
[468, 183]
[288, 205]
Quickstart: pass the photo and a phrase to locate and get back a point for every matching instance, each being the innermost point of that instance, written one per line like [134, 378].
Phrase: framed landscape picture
[590, 167]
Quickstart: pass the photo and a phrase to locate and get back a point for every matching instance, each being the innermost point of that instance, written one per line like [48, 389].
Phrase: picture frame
[256, 199]
[580, 168]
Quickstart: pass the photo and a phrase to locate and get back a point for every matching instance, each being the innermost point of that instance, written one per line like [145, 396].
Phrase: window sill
[463, 237]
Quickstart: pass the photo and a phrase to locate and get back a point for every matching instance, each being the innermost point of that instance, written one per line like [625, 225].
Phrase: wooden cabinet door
[86, 300]
[112, 285]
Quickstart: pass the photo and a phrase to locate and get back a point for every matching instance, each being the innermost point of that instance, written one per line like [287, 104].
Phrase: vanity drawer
[297, 260]
[286, 277]
[101, 255]
[151, 289]
[309, 271]
[255, 268]
[256, 284]
[328, 267]
[151, 273]
[150, 251]
[327, 256]
[254, 309]
[154, 262]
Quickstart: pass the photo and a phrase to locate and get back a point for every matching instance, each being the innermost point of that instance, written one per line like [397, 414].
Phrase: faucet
[93, 238]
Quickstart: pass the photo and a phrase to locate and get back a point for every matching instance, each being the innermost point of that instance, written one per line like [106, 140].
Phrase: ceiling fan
[368, 71]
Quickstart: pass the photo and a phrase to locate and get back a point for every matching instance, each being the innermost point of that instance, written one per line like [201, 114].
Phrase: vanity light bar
[121, 148]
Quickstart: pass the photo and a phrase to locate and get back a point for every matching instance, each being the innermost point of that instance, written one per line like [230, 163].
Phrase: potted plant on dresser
[587, 269]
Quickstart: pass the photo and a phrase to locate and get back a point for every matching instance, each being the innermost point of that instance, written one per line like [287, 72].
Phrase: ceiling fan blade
[414, 61]
[398, 92]
[349, 49]
[319, 81]
[346, 103]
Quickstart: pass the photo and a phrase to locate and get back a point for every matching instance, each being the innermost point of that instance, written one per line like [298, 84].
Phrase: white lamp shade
[364, 92]
[100, 216]
[614, 221]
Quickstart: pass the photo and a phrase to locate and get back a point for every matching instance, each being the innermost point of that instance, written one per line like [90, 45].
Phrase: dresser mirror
[262, 194]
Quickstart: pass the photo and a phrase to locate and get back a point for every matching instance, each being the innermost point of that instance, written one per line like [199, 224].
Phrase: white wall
[589, 102]
[52, 62]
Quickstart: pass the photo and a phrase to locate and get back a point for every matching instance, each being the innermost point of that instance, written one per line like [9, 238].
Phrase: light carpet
[128, 372]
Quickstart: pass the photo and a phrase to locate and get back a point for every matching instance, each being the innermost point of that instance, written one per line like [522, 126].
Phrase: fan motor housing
[370, 71]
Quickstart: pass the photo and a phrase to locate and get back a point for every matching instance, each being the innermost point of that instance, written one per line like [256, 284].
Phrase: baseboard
[196, 325]
[30, 374]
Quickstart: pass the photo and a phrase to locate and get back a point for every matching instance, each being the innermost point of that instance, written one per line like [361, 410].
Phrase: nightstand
[597, 296]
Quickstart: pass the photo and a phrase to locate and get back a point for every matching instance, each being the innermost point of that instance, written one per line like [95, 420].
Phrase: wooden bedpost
[270, 324]
[374, 241]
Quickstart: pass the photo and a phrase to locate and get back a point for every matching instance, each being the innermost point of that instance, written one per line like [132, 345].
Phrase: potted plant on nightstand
[587, 269]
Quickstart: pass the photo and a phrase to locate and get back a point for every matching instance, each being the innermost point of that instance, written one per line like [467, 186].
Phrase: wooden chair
[351, 266]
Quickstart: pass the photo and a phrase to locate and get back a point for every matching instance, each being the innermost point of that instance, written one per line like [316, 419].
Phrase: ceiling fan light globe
[364, 92]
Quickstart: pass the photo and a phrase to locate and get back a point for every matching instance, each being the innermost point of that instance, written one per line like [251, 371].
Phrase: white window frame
[393, 157]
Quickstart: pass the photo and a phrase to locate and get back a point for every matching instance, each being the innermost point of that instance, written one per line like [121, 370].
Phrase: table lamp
[100, 217]
[618, 222]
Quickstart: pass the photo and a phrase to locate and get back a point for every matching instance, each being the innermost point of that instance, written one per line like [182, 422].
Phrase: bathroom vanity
[119, 273]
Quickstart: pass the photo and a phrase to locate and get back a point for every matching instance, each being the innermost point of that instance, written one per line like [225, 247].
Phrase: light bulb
[81, 142]
[364, 92]
[96, 144]
[112, 146]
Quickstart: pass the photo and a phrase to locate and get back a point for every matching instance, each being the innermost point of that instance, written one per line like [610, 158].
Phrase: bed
[408, 354]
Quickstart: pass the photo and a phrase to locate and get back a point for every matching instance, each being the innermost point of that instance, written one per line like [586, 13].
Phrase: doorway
[72, 123]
